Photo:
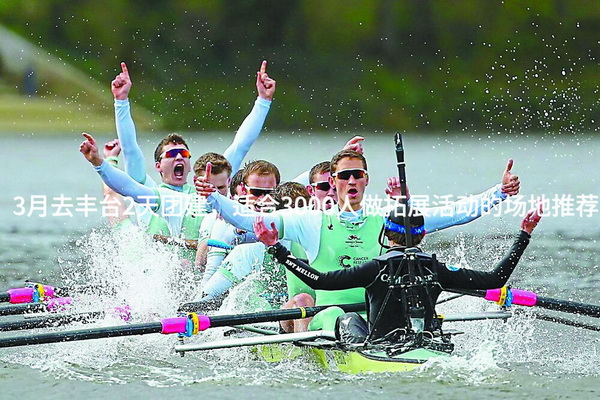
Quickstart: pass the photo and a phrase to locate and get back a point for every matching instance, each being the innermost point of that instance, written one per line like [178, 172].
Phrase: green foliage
[348, 65]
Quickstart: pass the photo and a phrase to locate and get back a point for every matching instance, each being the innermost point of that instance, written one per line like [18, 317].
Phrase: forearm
[332, 280]
[213, 261]
[123, 184]
[132, 154]
[247, 134]
[462, 211]
[218, 284]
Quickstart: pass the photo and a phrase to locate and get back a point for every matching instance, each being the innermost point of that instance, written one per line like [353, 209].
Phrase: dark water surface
[522, 358]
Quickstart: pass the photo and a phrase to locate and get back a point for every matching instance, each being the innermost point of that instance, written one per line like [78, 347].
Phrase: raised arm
[470, 279]
[132, 154]
[114, 178]
[253, 124]
[473, 207]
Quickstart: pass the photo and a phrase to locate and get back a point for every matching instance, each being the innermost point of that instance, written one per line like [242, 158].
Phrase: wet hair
[260, 167]
[236, 180]
[396, 216]
[171, 138]
[289, 194]
[346, 154]
[320, 168]
[218, 161]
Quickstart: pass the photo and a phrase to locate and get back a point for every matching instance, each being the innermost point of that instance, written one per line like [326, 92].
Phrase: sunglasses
[185, 153]
[345, 174]
[323, 185]
[257, 192]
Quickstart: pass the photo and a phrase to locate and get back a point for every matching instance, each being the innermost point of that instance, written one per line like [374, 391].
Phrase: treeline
[347, 65]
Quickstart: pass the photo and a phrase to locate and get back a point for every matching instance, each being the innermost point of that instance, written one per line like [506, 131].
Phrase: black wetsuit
[374, 277]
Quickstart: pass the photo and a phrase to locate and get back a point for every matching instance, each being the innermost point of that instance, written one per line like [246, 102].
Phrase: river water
[521, 358]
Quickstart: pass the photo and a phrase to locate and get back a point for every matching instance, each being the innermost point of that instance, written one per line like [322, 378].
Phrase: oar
[453, 297]
[54, 320]
[32, 293]
[564, 321]
[50, 321]
[188, 325]
[506, 296]
[52, 305]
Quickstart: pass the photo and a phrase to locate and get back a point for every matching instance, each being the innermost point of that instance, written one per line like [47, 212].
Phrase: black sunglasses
[345, 174]
[323, 185]
[257, 192]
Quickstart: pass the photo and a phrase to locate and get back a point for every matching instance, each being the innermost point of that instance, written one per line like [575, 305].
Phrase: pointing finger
[124, 69]
[356, 139]
[263, 67]
[89, 138]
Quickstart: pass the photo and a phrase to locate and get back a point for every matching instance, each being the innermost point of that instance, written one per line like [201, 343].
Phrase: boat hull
[350, 361]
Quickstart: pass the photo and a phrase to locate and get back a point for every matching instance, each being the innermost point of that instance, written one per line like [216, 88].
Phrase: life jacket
[413, 283]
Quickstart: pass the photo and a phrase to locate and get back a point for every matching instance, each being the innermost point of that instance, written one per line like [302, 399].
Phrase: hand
[121, 85]
[112, 148]
[393, 189]
[264, 234]
[264, 84]
[355, 144]
[532, 218]
[89, 149]
[203, 186]
[510, 182]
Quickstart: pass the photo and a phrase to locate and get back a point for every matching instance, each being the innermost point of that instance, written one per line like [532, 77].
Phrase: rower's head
[235, 186]
[259, 179]
[172, 160]
[320, 187]
[394, 227]
[349, 177]
[290, 195]
[221, 170]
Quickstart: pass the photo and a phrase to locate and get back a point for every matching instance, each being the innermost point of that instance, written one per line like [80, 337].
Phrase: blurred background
[345, 66]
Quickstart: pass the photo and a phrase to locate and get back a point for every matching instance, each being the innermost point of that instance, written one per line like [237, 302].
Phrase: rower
[172, 159]
[402, 286]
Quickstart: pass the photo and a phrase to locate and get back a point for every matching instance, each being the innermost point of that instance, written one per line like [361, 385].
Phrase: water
[517, 359]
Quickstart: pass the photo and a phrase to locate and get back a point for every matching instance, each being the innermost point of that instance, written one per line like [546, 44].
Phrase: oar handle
[218, 243]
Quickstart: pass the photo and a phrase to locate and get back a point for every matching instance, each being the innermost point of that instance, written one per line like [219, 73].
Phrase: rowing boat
[353, 360]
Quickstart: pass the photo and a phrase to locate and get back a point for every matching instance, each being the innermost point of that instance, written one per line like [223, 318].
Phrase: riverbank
[27, 115]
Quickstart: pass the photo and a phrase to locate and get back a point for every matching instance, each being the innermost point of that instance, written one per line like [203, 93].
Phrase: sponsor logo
[354, 241]
[346, 261]
[342, 261]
